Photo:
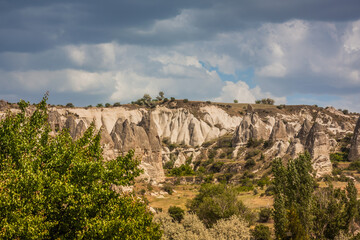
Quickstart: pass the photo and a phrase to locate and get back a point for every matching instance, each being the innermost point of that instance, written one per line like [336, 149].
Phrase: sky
[88, 52]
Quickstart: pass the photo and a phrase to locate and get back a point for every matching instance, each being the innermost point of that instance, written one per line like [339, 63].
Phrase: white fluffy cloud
[244, 94]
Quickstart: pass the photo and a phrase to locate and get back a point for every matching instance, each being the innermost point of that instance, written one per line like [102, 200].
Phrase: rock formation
[354, 153]
[150, 132]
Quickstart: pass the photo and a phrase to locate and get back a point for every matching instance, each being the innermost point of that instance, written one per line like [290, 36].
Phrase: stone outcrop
[317, 144]
[251, 127]
[123, 129]
[354, 153]
[151, 131]
[294, 134]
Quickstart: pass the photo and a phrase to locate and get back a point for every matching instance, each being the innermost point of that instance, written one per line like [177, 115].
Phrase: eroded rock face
[251, 127]
[144, 130]
[354, 153]
[123, 129]
[289, 138]
[317, 144]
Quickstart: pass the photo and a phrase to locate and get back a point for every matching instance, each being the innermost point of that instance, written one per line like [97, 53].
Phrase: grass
[255, 201]
[182, 193]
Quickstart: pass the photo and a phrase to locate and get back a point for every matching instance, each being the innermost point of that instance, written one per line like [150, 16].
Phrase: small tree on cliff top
[55, 188]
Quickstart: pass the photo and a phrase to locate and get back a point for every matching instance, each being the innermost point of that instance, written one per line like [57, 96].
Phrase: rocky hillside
[191, 133]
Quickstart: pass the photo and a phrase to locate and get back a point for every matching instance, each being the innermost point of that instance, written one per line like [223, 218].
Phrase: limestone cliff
[354, 153]
[179, 133]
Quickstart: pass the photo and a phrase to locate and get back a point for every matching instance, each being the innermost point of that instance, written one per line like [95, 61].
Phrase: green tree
[57, 188]
[70, 105]
[334, 211]
[217, 201]
[293, 186]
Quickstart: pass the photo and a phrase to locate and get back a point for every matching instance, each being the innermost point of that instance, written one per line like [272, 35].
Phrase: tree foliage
[303, 212]
[54, 187]
[293, 186]
[217, 201]
[177, 213]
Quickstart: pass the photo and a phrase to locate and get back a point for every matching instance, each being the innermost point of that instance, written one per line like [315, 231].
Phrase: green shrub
[183, 170]
[117, 104]
[355, 166]
[265, 215]
[225, 178]
[176, 213]
[261, 232]
[168, 188]
[99, 105]
[216, 201]
[186, 100]
[70, 105]
[212, 153]
[216, 167]
[107, 105]
[252, 153]
[263, 181]
[339, 157]
[252, 142]
[169, 165]
[250, 163]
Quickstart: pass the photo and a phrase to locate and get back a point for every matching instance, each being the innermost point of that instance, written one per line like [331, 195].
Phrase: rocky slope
[179, 133]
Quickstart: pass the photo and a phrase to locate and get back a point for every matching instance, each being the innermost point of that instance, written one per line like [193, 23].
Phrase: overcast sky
[88, 52]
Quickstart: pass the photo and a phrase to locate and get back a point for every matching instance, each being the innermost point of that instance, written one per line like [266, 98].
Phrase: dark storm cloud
[27, 26]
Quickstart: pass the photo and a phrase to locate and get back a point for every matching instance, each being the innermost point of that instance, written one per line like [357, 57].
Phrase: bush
[214, 202]
[183, 170]
[70, 105]
[252, 142]
[99, 105]
[261, 232]
[339, 157]
[250, 163]
[52, 187]
[252, 153]
[186, 100]
[190, 228]
[107, 105]
[265, 215]
[236, 101]
[117, 104]
[168, 188]
[355, 166]
[225, 178]
[232, 228]
[172, 99]
[212, 153]
[176, 213]
[216, 167]
[169, 165]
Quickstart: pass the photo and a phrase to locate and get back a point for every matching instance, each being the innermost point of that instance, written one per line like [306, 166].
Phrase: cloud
[117, 51]
[241, 91]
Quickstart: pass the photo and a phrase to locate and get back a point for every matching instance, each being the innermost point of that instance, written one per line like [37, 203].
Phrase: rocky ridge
[152, 132]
